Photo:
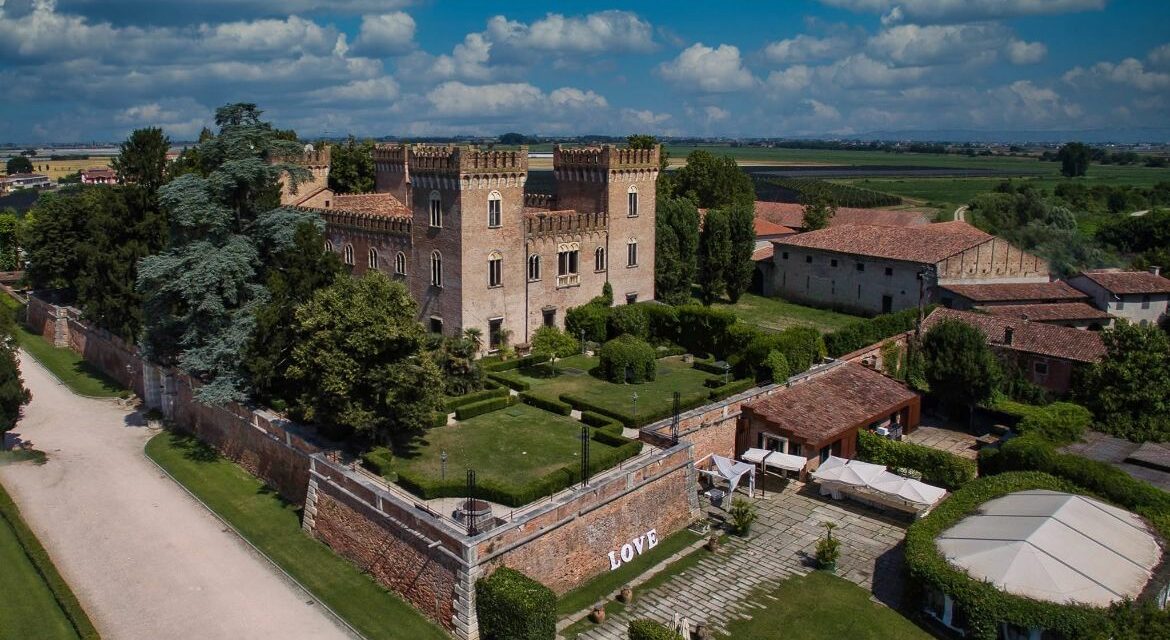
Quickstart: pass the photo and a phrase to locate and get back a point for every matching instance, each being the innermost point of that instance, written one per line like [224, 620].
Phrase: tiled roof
[763, 253]
[827, 405]
[1029, 337]
[1058, 291]
[380, 204]
[1051, 312]
[1125, 282]
[927, 244]
[99, 172]
[791, 214]
[765, 228]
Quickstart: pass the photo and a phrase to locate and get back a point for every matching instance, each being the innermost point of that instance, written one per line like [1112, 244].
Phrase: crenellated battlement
[604, 157]
[390, 153]
[561, 222]
[540, 201]
[394, 225]
[462, 159]
[312, 159]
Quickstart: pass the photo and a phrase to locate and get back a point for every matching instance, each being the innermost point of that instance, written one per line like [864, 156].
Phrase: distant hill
[1092, 136]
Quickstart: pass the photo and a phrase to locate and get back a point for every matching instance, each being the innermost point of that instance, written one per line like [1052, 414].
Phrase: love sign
[633, 548]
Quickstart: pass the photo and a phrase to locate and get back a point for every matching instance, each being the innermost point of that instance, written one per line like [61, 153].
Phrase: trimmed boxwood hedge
[627, 356]
[517, 363]
[647, 629]
[601, 422]
[863, 333]
[686, 402]
[451, 404]
[554, 406]
[1059, 422]
[512, 606]
[946, 470]
[511, 383]
[732, 388]
[708, 366]
[482, 407]
[438, 419]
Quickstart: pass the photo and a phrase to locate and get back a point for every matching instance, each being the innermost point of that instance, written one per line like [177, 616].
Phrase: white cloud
[806, 48]
[912, 44]
[1020, 52]
[860, 71]
[383, 89]
[293, 34]
[708, 70]
[468, 60]
[644, 117]
[1160, 56]
[946, 11]
[1130, 72]
[790, 80]
[715, 114]
[386, 34]
[601, 32]
[508, 98]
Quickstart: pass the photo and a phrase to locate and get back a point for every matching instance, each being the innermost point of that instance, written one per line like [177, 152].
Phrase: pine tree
[741, 223]
[714, 255]
[143, 159]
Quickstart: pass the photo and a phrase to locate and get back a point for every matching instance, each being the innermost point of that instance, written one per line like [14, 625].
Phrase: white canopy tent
[732, 472]
[774, 459]
[908, 489]
[872, 483]
[853, 473]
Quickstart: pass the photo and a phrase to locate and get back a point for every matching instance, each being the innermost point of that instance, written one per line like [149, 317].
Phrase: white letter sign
[635, 547]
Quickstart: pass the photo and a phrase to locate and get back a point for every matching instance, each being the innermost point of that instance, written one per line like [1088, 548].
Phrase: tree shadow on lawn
[109, 385]
[193, 448]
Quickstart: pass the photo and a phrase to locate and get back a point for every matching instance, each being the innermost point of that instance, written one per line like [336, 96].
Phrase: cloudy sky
[74, 70]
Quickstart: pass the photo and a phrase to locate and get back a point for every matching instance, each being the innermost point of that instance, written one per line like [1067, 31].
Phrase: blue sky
[96, 69]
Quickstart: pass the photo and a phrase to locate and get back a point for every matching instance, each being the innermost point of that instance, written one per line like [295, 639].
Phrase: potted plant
[828, 549]
[597, 615]
[743, 514]
[626, 595]
[713, 543]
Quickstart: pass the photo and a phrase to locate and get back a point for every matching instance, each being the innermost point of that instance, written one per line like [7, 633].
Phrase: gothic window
[599, 259]
[436, 269]
[632, 195]
[567, 263]
[400, 263]
[372, 261]
[632, 253]
[347, 255]
[436, 209]
[494, 208]
[534, 267]
[495, 269]
[328, 246]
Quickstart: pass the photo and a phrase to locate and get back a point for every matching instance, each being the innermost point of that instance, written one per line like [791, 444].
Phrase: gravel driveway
[145, 559]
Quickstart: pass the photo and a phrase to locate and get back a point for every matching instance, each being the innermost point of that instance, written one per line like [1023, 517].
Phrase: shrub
[601, 422]
[438, 419]
[1059, 422]
[802, 347]
[512, 606]
[451, 404]
[647, 629]
[627, 358]
[863, 333]
[701, 328]
[518, 363]
[511, 383]
[708, 366]
[828, 548]
[483, 406]
[937, 467]
[548, 404]
[662, 320]
[628, 319]
[778, 367]
[552, 342]
[732, 388]
[592, 318]
[743, 514]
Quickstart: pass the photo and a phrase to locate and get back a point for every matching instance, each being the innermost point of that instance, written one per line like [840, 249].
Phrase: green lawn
[29, 608]
[77, 374]
[775, 314]
[654, 397]
[509, 446]
[821, 605]
[274, 526]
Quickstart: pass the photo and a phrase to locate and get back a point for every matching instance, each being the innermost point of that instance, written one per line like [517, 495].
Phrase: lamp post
[582, 342]
[443, 464]
[726, 370]
[635, 397]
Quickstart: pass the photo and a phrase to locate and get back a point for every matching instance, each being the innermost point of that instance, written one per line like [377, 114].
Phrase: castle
[454, 224]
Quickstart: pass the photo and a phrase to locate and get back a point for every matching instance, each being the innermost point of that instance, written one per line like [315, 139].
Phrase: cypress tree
[714, 255]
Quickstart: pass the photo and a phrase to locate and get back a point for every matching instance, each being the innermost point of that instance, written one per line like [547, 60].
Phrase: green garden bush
[601, 422]
[937, 467]
[508, 381]
[663, 322]
[554, 406]
[732, 388]
[866, 332]
[593, 318]
[438, 419]
[1059, 422]
[512, 606]
[628, 319]
[483, 406]
[518, 363]
[647, 629]
[628, 359]
[702, 328]
[451, 404]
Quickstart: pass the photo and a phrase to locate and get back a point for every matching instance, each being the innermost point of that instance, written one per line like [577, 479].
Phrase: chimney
[1008, 334]
[1156, 270]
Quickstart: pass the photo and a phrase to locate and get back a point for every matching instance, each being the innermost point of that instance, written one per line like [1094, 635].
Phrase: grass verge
[37, 602]
[774, 314]
[821, 605]
[80, 376]
[274, 526]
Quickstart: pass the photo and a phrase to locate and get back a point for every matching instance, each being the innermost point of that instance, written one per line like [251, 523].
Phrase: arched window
[632, 253]
[632, 196]
[599, 259]
[495, 269]
[436, 269]
[347, 254]
[495, 204]
[436, 209]
[372, 260]
[534, 267]
[328, 246]
[400, 263]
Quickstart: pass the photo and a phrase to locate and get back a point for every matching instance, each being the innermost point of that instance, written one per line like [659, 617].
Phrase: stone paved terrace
[1119, 453]
[959, 443]
[781, 545]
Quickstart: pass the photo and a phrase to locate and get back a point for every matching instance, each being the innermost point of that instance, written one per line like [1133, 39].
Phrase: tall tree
[9, 240]
[351, 167]
[741, 222]
[143, 159]
[1074, 159]
[714, 255]
[360, 363]
[18, 164]
[676, 245]
[714, 181]
[53, 238]
[960, 368]
[1129, 389]
[201, 293]
[13, 394]
[818, 212]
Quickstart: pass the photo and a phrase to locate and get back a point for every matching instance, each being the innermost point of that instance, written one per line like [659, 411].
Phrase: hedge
[940, 468]
[732, 388]
[647, 629]
[663, 322]
[985, 605]
[629, 357]
[628, 319]
[708, 366]
[1059, 422]
[702, 329]
[438, 419]
[511, 383]
[548, 404]
[43, 564]
[601, 422]
[686, 402]
[451, 404]
[863, 333]
[512, 606]
[592, 318]
[482, 407]
[518, 363]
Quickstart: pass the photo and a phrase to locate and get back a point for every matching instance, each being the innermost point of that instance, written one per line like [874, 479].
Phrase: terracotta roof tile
[1050, 312]
[827, 405]
[926, 244]
[763, 253]
[765, 228]
[1022, 293]
[791, 214]
[381, 204]
[1126, 282]
[1028, 337]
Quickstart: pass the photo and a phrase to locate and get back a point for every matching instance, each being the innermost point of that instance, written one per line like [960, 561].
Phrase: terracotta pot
[703, 632]
[626, 595]
[598, 613]
[713, 544]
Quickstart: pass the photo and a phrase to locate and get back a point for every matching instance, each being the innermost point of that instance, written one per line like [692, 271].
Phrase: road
[961, 214]
[145, 559]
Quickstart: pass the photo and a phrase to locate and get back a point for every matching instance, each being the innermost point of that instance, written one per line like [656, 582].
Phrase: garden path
[782, 543]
